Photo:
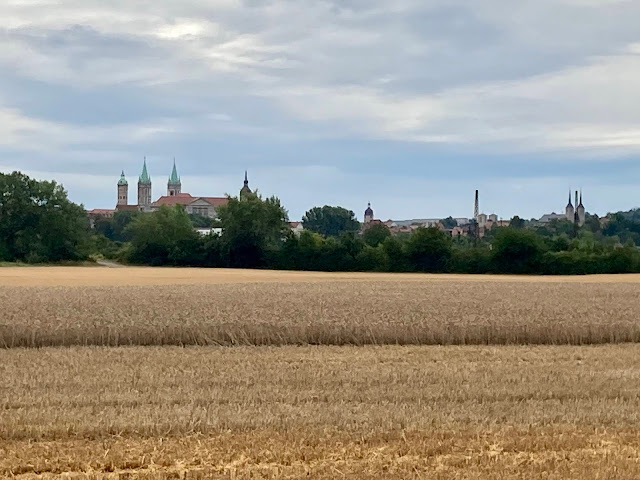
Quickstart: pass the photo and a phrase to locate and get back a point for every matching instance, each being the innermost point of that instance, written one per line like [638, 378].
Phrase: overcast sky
[408, 104]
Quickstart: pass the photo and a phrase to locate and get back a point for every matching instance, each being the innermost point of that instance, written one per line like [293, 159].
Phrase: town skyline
[143, 196]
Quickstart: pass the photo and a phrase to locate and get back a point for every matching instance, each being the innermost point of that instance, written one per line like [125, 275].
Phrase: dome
[123, 180]
[369, 211]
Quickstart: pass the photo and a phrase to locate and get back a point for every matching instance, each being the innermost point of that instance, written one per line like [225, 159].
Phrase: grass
[327, 412]
[139, 306]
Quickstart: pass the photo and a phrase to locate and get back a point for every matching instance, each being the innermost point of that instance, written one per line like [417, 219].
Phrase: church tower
[368, 214]
[123, 190]
[569, 211]
[144, 188]
[245, 190]
[174, 187]
[580, 212]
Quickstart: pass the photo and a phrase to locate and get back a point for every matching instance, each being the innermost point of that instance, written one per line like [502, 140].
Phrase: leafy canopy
[330, 221]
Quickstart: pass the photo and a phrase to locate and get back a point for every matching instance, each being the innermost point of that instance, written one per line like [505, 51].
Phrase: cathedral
[575, 215]
[205, 206]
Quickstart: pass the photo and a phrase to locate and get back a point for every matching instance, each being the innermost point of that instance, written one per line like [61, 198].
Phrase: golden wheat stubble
[283, 412]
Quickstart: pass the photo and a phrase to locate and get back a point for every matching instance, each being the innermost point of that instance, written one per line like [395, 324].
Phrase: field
[114, 307]
[130, 380]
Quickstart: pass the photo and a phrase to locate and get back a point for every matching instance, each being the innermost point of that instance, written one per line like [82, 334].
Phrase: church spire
[174, 178]
[245, 190]
[580, 198]
[144, 176]
[123, 179]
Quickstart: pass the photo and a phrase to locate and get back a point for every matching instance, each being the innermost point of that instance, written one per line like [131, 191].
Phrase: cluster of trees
[39, 224]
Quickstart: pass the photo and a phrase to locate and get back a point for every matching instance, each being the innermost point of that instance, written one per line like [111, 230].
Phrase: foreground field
[226, 307]
[326, 412]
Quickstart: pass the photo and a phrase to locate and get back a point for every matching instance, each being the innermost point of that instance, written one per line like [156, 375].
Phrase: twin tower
[174, 187]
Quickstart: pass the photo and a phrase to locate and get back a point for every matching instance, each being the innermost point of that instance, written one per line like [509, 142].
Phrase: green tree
[449, 222]
[38, 223]
[516, 251]
[429, 249]
[165, 237]
[375, 234]
[253, 230]
[330, 221]
[201, 221]
[396, 254]
[516, 222]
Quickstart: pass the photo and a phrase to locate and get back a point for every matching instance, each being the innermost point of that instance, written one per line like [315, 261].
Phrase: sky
[410, 105]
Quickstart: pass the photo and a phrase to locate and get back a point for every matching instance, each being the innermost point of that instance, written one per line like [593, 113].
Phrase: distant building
[574, 214]
[368, 214]
[200, 205]
[245, 190]
[550, 217]
[296, 228]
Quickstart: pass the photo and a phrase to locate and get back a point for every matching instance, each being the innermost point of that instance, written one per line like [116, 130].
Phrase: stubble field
[174, 404]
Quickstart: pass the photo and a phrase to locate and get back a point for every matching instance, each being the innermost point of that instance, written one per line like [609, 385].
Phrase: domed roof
[369, 211]
[123, 179]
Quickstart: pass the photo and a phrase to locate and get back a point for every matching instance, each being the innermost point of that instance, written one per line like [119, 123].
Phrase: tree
[396, 254]
[38, 223]
[375, 234]
[253, 229]
[449, 222]
[516, 222]
[201, 221]
[330, 221]
[429, 249]
[516, 251]
[115, 228]
[163, 237]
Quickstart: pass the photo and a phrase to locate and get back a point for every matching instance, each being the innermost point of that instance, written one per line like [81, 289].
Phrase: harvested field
[226, 307]
[324, 412]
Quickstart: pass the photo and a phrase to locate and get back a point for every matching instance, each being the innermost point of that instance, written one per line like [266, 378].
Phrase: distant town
[207, 206]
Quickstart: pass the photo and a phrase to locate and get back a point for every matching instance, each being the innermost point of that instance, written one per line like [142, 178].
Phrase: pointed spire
[174, 178]
[246, 179]
[144, 176]
[123, 179]
[569, 204]
[580, 198]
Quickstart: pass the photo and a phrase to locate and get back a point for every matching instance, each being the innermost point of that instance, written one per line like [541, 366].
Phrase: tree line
[39, 224]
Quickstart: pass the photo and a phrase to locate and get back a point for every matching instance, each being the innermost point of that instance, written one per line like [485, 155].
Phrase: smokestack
[476, 209]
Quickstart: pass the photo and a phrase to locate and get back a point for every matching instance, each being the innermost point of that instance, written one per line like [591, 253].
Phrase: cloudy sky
[409, 104]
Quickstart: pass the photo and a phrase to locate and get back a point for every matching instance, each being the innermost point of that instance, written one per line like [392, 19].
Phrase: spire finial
[246, 178]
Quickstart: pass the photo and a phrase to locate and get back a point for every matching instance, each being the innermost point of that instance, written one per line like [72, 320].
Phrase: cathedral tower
[245, 190]
[123, 190]
[569, 211]
[144, 187]
[174, 187]
[580, 212]
[368, 214]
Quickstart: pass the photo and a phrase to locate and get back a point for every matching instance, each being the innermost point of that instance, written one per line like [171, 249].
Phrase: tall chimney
[476, 209]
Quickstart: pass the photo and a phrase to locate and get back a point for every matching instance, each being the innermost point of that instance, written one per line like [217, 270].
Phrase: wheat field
[140, 306]
[195, 374]
[325, 412]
